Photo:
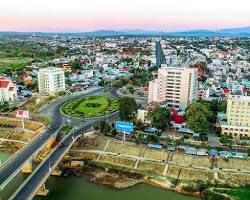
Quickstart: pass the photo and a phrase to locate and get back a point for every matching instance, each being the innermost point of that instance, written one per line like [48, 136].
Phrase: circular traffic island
[90, 107]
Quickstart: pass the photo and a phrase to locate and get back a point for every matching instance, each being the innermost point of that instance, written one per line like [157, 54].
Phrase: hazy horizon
[157, 15]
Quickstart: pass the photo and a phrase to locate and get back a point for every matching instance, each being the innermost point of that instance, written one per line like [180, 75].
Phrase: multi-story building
[175, 86]
[142, 115]
[8, 90]
[51, 80]
[237, 122]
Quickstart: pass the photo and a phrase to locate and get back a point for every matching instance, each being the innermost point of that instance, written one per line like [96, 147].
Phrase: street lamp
[92, 127]
[235, 144]
[49, 166]
[69, 121]
[73, 137]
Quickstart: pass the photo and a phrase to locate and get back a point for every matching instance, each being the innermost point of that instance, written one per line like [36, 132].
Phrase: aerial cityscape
[107, 100]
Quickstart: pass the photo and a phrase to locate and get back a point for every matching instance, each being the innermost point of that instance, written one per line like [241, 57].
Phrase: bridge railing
[7, 162]
[53, 166]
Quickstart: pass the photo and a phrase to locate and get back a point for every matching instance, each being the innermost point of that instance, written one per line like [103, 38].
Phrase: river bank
[79, 187]
[191, 175]
[105, 161]
[121, 178]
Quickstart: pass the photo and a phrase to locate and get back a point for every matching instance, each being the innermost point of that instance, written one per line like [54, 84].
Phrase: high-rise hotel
[175, 86]
[51, 80]
[237, 117]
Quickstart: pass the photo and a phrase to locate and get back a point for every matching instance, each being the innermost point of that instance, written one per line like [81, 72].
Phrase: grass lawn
[101, 103]
[236, 193]
[8, 64]
[4, 133]
[88, 107]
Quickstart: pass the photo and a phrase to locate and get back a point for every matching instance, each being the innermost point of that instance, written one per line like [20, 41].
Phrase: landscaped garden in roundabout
[90, 107]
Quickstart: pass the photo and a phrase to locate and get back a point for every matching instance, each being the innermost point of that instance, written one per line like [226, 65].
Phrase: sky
[90, 15]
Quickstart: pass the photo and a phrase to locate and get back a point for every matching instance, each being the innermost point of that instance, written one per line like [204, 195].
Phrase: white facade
[51, 80]
[8, 90]
[153, 91]
[175, 86]
[143, 116]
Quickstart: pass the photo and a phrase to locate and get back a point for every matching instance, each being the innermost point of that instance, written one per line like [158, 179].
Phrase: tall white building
[175, 86]
[51, 80]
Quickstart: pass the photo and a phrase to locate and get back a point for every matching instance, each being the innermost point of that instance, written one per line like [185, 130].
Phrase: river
[78, 188]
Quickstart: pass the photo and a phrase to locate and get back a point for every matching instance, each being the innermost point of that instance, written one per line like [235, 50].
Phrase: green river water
[79, 188]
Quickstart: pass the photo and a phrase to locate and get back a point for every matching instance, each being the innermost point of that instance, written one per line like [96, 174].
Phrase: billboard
[23, 114]
[124, 126]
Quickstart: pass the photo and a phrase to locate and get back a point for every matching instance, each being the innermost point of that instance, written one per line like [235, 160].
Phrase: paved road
[39, 176]
[18, 160]
[160, 57]
[52, 110]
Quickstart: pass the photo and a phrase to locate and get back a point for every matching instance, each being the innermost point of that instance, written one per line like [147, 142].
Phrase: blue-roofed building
[213, 152]
[224, 154]
[191, 151]
[185, 130]
[151, 130]
[155, 146]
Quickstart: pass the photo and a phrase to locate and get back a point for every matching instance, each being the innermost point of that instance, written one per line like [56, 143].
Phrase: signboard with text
[126, 127]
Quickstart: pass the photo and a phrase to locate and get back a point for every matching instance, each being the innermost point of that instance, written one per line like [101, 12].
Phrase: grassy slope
[236, 193]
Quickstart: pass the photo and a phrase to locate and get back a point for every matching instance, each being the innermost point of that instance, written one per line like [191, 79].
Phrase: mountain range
[229, 32]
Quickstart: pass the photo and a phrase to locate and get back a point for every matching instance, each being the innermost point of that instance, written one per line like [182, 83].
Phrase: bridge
[37, 178]
[10, 168]
[14, 164]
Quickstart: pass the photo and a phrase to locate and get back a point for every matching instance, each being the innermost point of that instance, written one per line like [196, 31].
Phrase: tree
[248, 151]
[4, 106]
[106, 129]
[139, 125]
[152, 138]
[160, 117]
[215, 106]
[222, 106]
[101, 82]
[138, 137]
[131, 89]
[168, 141]
[103, 127]
[225, 140]
[75, 64]
[197, 118]
[127, 108]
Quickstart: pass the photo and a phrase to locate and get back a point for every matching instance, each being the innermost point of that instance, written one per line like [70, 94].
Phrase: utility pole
[23, 123]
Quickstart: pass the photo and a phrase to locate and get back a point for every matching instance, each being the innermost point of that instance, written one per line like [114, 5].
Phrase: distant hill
[236, 31]
[230, 32]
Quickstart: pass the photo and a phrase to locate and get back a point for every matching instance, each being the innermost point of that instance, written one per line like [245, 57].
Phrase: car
[61, 145]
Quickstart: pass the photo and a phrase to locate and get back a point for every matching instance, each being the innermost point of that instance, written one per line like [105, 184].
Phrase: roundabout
[90, 107]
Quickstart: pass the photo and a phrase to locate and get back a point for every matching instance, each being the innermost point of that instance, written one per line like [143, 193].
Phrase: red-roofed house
[244, 91]
[226, 92]
[177, 120]
[27, 78]
[8, 91]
